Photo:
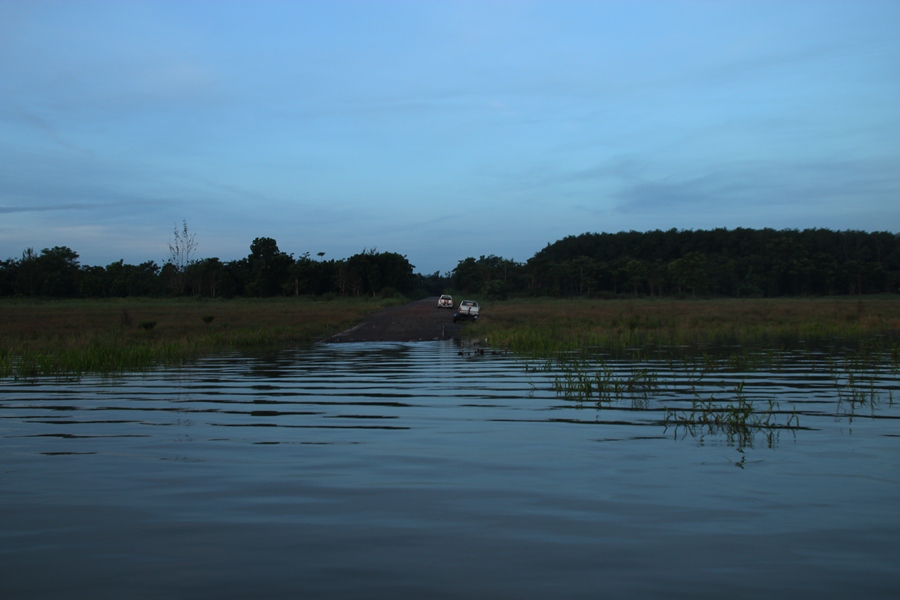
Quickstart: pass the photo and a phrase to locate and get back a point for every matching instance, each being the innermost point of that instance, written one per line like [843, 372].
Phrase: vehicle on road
[468, 309]
[445, 301]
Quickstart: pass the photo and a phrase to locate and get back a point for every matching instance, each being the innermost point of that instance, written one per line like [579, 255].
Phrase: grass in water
[577, 380]
[544, 327]
[65, 338]
[573, 340]
[739, 420]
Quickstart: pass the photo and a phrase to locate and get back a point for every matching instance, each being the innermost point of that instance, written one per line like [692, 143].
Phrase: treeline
[265, 272]
[719, 262]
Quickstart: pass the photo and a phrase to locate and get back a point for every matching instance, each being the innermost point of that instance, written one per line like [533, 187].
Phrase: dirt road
[416, 321]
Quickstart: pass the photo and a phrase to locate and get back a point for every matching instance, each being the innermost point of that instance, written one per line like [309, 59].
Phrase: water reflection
[736, 396]
[408, 469]
[409, 386]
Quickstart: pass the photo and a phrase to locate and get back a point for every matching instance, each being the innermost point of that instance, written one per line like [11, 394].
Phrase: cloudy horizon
[439, 130]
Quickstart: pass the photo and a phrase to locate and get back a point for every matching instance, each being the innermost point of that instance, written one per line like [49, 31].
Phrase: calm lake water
[409, 470]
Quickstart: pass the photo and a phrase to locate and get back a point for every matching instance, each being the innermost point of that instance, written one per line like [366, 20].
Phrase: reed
[112, 336]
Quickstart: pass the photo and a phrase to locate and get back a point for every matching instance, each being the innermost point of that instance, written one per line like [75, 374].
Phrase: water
[409, 470]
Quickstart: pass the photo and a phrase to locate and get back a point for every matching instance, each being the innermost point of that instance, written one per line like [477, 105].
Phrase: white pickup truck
[445, 301]
[468, 309]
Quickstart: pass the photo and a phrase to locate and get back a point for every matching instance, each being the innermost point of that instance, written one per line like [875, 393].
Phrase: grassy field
[574, 339]
[109, 336]
[546, 326]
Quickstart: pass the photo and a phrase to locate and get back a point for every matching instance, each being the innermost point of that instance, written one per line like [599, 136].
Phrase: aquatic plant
[577, 380]
[739, 420]
[578, 342]
[735, 417]
[859, 379]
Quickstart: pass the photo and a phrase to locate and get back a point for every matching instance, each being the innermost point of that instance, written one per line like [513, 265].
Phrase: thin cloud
[15, 115]
[53, 208]
[739, 67]
[811, 184]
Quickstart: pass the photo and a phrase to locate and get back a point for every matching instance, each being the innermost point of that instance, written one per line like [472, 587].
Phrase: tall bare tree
[181, 252]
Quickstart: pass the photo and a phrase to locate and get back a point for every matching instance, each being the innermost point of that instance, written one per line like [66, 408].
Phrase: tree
[583, 269]
[124, 280]
[656, 277]
[363, 273]
[205, 275]
[467, 276]
[58, 270]
[269, 268]
[298, 274]
[394, 271]
[27, 273]
[635, 271]
[689, 270]
[495, 290]
[181, 252]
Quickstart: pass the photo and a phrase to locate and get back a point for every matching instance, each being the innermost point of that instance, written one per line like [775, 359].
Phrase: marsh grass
[864, 377]
[580, 381]
[859, 378]
[577, 341]
[737, 418]
[544, 327]
[111, 336]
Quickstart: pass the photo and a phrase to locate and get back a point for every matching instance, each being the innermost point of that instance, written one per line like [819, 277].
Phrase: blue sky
[439, 130]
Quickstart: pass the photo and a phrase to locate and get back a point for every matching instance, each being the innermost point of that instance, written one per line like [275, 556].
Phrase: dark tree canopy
[719, 262]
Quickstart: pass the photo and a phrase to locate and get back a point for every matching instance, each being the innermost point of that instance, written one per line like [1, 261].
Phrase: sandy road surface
[416, 321]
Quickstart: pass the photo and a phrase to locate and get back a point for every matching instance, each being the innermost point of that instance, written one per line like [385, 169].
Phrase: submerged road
[417, 321]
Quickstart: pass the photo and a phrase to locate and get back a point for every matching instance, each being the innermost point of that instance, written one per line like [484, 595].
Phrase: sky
[439, 130]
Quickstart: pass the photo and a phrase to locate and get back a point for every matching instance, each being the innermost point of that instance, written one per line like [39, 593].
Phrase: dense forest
[720, 262]
[265, 272]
